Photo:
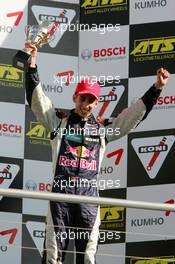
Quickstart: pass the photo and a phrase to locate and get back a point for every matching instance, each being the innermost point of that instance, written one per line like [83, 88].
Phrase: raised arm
[40, 104]
[130, 117]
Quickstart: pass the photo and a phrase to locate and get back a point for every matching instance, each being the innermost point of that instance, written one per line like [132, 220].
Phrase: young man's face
[85, 104]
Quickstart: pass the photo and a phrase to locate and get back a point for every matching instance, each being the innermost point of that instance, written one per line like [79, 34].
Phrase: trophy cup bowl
[37, 35]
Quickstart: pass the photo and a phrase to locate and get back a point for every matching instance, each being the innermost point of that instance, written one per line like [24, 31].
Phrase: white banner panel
[10, 237]
[113, 172]
[59, 77]
[13, 22]
[147, 11]
[162, 113]
[37, 177]
[12, 118]
[104, 54]
[150, 224]
[115, 253]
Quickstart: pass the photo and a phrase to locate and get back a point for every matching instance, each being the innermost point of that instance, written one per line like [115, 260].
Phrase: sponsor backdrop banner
[120, 43]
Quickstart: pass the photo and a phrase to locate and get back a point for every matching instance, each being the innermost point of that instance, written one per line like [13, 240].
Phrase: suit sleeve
[130, 117]
[39, 103]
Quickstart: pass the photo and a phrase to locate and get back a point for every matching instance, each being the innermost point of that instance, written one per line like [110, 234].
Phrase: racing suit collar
[75, 118]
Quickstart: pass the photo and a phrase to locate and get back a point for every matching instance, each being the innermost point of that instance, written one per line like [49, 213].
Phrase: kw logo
[112, 214]
[103, 3]
[38, 131]
[154, 46]
[154, 260]
[9, 73]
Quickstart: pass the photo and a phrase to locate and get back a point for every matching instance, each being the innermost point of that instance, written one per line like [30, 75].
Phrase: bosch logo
[166, 100]
[109, 52]
[86, 54]
[31, 185]
[150, 149]
[45, 187]
[10, 128]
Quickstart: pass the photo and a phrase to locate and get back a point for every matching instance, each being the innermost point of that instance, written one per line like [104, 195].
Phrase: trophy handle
[46, 39]
[27, 30]
[51, 38]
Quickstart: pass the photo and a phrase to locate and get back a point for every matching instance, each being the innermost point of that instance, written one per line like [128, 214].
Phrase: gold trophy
[37, 35]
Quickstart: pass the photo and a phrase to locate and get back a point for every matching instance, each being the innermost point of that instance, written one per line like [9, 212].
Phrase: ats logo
[153, 260]
[154, 49]
[152, 152]
[104, 5]
[10, 76]
[112, 217]
[38, 134]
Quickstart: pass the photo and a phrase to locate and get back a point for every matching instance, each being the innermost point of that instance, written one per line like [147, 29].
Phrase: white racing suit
[77, 157]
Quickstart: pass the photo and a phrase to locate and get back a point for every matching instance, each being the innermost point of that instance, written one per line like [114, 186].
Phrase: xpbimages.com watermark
[101, 28]
[72, 79]
[61, 24]
[86, 235]
[101, 131]
[78, 182]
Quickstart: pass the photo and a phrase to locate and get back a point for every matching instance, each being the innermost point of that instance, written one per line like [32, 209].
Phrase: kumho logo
[38, 131]
[112, 214]
[9, 73]
[154, 260]
[154, 46]
[102, 3]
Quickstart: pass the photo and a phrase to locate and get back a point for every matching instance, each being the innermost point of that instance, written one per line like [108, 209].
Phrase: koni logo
[88, 4]
[59, 18]
[108, 100]
[152, 152]
[8, 172]
[37, 232]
